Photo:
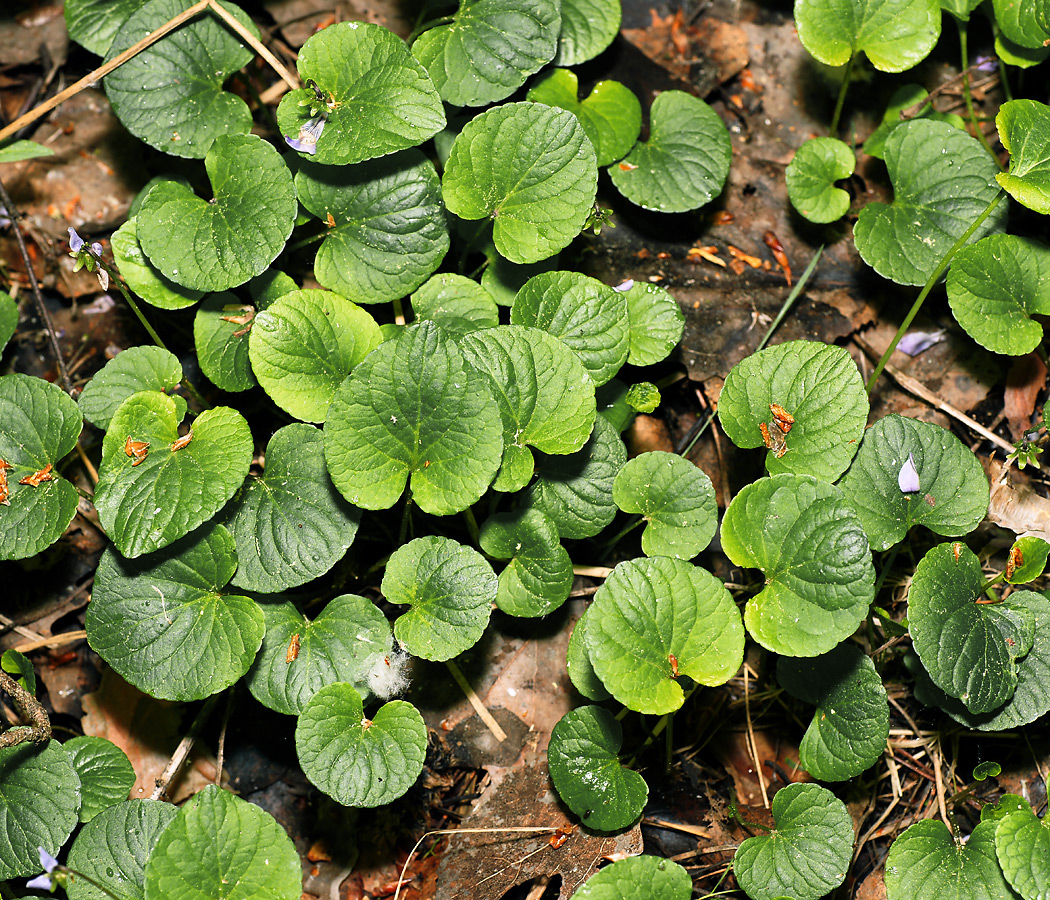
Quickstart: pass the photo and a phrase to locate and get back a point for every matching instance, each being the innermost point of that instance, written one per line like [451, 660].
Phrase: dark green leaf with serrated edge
[21, 667]
[926, 861]
[212, 246]
[450, 589]
[953, 489]
[414, 410]
[849, 729]
[1024, 129]
[389, 230]
[1020, 22]
[1013, 54]
[221, 344]
[94, 23]
[165, 623]
[576, 490]
[170, 94]
[685, 161]
[378, 98]
[544, 394]
[130, 371]
[503, 279]
[489, 48]
[969, 651]
[611, 114]
[458, 304]
[39, 798]
[303, 345]
[170, 492]
[538, 578]
[811, 178]
[105, 772]
[808, 852]
[811, 546]
[676, 499]
[942, 180]
[222, 846]
[638, 878]
[290, 525]
[1022, 846]
[656, 323]
[358, 761]
[1033, 552]
[587, 28]
[39, 424]
[343, 643]
[8, 318]
[142, 277]
[113, 848]
[16, 151]
[578, 663]
[531, 169]
[587, 774]
[584, 313]
[905, 97]
[650, 610]
[816, 383]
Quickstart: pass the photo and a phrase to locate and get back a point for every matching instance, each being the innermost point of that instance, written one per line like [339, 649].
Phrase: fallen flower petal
[625, 286]
[908, 478]
[914, 342]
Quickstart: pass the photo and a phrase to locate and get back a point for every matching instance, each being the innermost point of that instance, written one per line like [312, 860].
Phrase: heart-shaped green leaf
[1024, 129]
[8, 318]
[142, 277]
[656, 619]
[221, 329]
[105, 772]
[538, 578]
[212, 246]
[904, 98]
[222, 846]
[852, 721]
[638, 878]
[149, 496]
[809, 543]
[676, 500]
[489, 48]
[130, 371]
[811, 177]
[578, 663]
[942, 181]
[953, 489]
[819, 388]
[1021, 23]
[587, 28]
[531, 169]
[451, 589]
[376, 98]
[359, 761]
[656, 323]
[1022, 846]
[585, 769]
[684, 163]
[386, 224]
[39, 424]
[94, 23]
[298, 656]
[458, 304]
[170, 94]
[611, 114]
[414, 410]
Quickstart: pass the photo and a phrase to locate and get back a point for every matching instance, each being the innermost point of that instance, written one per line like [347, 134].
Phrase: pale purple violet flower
[47, 862]
[908, 479]
[309, 134]
[626, 286]
[76, 242]
[986, 64]
[914, 342]
[96, 248]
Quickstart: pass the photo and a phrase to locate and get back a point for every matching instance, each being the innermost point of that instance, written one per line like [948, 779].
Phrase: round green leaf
[39, 798]
[290, 525]
[942, 180]
[130, 371]
[578, 663]
[538, 578]
[811, 546]
[39, 424]
[220, 847]
[94, 23]
[170, 94]
[643, 397]
[675, 498]
[817, 384]
[653, 616]
[656, 323]
[8, 318]
[386, 224]
[344, 643]
[1033, 553]
[1022, 846]
[587, 28]
[105, 773]
[113, 847]
[1024, 129]
[141, 276]
[953, 489]
[220, 333]
[638, 878]
[458, 304]
[303, 345]
[414, 409]
[359, 761]
[811, 178]
[905, 97]
[611, 114]
[895, 34]
[588, 316]
[489, 48]
[852, 721]
[531, 169]
[146, 504]
[166, 625]
[1021, 23]
[377, 97]
[587, 774]
[806, 856]
[212, 246]
[684, 163]
[450, 588]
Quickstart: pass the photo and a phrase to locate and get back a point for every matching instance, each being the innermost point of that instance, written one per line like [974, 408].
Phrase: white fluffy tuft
[388, 674]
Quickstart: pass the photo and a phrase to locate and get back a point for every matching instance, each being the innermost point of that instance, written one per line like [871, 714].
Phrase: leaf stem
[961, 24]
[834, 129]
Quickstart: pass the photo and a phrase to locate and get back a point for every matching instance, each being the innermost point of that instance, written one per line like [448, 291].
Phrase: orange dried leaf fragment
[784, 420]
[137, 450]
[292, 653]
[38, 478]
[4, 466]
[182, 441]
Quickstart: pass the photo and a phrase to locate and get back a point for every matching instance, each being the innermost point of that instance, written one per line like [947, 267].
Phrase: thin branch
[30, 709]
[183, 750]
